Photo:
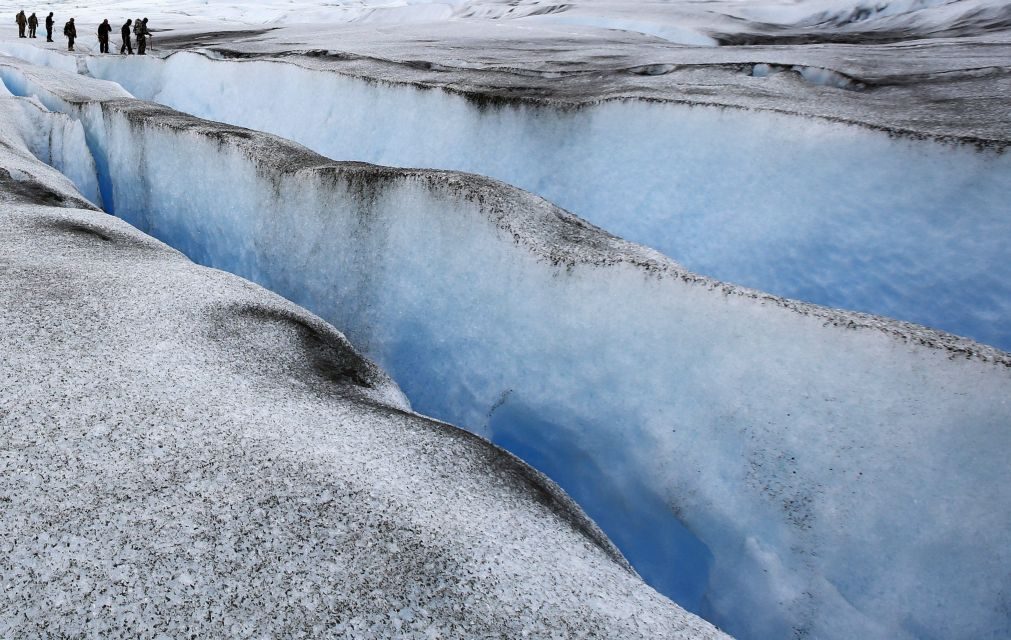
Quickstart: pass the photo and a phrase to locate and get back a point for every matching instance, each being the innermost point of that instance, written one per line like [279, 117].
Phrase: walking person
[49, 27]
[22, 23]
[70, 31]
[103, 36]
[142, 36]
[124, 31]
[33, 24]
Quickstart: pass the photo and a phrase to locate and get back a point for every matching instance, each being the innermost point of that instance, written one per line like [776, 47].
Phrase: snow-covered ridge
[636, 385]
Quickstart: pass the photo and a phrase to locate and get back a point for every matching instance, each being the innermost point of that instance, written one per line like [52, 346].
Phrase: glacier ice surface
[835, 590]
[801, 448]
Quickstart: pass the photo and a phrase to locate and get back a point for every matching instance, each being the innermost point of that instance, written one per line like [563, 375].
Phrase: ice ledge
[547, 231]
[551, 233]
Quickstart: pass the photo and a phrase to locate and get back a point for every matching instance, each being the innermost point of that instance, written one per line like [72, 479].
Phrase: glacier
[756, 459]
[781, 468]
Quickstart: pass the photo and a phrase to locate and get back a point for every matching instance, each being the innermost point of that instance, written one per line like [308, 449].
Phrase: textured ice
[895, 225]
[53, 138]
[837, 475]
[572, 397]
[183, 454]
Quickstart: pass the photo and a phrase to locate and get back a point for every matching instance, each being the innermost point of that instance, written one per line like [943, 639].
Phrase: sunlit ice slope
[187, 454]
[771, 464]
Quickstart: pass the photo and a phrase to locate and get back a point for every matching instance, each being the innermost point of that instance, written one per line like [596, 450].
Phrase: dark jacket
[125, 30]
[21, 19]
[103, 31]
[33, 21]
[49, 22]
[70, 30]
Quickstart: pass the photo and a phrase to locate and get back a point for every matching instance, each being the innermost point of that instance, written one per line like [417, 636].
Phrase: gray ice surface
[954, 88]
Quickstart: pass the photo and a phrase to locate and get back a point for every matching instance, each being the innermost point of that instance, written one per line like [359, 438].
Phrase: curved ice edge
[571, 240]
[488, 97]
[113, 234]
[381, 392]
[371, 383]
[549, 232]
[485, 97]
[545, 490]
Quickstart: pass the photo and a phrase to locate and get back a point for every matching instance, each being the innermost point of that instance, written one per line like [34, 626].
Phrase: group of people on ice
[137, 27]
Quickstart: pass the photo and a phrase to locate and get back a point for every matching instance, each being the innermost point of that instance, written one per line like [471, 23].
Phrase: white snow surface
[183, 453]
[688, 22]
[837, 475]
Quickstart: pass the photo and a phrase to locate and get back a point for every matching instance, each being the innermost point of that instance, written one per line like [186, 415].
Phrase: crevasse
[827, 213]
[754, 457]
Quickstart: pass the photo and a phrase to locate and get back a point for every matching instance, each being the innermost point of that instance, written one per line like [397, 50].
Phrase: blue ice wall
[802, 449]
[836, 215]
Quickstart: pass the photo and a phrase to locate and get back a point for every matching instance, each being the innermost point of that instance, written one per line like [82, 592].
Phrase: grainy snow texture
[784, 469]
[183, 454]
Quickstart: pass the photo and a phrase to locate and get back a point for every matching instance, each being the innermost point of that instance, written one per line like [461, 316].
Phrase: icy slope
[837, 215]
[836, 475]
[186, 454]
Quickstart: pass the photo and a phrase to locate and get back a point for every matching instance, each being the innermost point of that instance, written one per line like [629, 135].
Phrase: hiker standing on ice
[22, 22]
[103, 36]
[143, 34]
[49, 27]
[33, 24]
[70, 31]
[125, 32]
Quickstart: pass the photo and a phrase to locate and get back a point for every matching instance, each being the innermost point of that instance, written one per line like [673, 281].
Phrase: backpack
[66, 29]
